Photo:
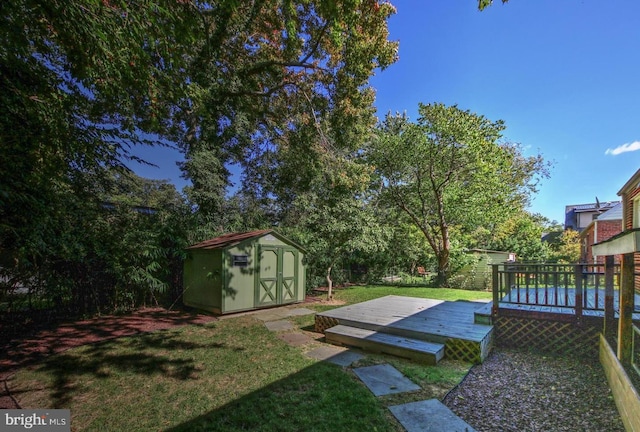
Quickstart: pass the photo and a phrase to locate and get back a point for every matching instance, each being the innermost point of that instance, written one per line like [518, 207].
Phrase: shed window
[240, 260]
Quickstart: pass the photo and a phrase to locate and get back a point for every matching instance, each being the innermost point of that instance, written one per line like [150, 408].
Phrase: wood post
[578, 276]
[496, 289]
[609, 316]
[625, 325]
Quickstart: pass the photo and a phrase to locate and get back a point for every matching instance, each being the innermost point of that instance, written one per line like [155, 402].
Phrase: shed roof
[230, 239]
[489, 251]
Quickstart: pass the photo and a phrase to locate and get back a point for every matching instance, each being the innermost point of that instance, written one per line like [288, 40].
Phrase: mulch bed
[528, 391]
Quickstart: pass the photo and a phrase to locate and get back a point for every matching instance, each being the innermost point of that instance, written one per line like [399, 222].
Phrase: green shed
[243, 271]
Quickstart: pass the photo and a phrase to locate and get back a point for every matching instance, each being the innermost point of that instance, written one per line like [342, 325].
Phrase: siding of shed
[238, 292]
[203, 280]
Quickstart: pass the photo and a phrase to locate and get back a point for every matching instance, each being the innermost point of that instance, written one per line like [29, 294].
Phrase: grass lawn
[228, 375]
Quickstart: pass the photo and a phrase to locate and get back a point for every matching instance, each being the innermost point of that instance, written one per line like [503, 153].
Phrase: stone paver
[325, 352]
[429, 416]
[299, 312]
[384, 379]
[277, 326]
[345, 358]
[295, 338]
[270, 315]
[337, 355]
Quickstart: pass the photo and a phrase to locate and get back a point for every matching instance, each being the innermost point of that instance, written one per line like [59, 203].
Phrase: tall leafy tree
[333, 220]
[265, 77]
[81, 82]
[451, 170]
[568, 248]
[521, 233]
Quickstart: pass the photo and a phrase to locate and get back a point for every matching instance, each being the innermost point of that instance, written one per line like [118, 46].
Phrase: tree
[80, 84]
[264, 79]
[521, 234]
[450, 170]
[482, 4]
[333, 220]
[568, 249]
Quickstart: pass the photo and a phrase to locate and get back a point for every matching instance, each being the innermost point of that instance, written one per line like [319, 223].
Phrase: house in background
[607, 225]
[579, 216]
[620, 348]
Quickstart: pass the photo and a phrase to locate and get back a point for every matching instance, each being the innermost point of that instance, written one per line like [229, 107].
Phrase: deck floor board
[415, 317]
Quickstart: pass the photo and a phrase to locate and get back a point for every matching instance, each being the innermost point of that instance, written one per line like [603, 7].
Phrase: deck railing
[577, 286]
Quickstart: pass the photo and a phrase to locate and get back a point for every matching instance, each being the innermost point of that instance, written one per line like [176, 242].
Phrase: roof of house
[614, 213]
[631, 184]
[230, 239]
[596, 206]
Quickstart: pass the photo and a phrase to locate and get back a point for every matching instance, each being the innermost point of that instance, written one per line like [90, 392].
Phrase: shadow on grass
[56, 339]
[321, 397]
[149, 355]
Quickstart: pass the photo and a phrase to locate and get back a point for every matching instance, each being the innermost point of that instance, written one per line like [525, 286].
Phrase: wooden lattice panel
[322, 323]
[547, 336]
[458, 349]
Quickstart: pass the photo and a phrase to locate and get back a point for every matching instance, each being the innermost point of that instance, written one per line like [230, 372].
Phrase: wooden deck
[559, 301]
[451, 324]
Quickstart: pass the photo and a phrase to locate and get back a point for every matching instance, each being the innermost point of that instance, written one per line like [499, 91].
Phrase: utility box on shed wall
[243, 271]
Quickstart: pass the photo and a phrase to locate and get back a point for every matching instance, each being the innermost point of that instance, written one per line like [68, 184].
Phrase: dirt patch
[29, 350]
[524, 391]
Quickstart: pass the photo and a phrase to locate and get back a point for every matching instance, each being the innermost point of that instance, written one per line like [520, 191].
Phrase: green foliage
[110, 252]
[270, 80]
[82, 83]
[449, 172]
[568, 249]
[521, 234]
[333, 223]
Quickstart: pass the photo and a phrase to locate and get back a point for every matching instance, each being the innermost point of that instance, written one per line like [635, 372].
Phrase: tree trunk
[330, 283]
[442, 279]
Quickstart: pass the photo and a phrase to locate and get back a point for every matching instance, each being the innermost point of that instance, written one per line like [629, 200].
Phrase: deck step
[483, 315]
[369, 340]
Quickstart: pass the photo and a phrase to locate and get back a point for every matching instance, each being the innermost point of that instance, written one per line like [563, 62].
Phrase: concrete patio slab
[384, 379]
[295, 339]
[277, 326]
[429, 416]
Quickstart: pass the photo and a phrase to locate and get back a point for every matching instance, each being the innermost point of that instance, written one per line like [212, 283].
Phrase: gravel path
[523, 391]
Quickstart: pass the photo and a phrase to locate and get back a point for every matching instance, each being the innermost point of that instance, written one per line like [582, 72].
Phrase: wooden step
[483, 315]
[369, 340]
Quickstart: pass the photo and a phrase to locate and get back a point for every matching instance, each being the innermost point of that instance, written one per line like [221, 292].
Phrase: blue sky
[563, 75]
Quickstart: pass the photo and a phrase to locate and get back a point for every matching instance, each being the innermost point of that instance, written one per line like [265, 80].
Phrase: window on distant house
[240, 260]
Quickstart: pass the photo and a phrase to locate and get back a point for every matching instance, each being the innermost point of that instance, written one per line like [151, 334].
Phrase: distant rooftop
[614, 213]
[596, 206]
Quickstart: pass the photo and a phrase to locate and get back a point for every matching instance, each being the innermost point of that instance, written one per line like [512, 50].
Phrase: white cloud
[629, 147]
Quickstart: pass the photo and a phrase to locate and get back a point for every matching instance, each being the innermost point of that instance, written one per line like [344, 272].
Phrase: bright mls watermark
[55, 420]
